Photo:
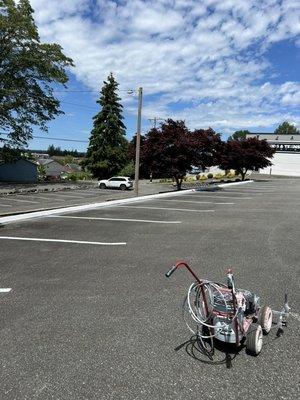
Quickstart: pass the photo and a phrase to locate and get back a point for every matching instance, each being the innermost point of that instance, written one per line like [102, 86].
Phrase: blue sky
[225, 64]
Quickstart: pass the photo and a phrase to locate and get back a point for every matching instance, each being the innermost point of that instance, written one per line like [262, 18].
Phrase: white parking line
[246, 192]
[97, 205]
[89, 193]
[117, 219]
[198, 194]
[168, 209]
[69, 195]
[60, 241]
[5, 290]
[42, 197]
[23, 201]
[5, 205]
[194, 202]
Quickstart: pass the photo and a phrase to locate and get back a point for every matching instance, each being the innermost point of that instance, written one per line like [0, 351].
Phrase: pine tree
[107, 151]
[286, 129]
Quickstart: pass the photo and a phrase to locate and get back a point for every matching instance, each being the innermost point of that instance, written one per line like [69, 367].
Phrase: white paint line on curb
[115, 219]
[5, 290]
[93, 206]
[235, 183]
[61, 241]
[193, 202]
[168, 209]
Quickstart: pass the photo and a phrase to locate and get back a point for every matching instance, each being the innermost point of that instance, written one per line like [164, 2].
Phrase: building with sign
[286, 160]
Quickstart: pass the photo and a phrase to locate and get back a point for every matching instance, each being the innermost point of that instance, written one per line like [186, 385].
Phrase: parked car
[116, 182]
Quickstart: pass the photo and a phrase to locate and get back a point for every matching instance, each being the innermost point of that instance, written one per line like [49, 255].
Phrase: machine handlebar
[170, 272]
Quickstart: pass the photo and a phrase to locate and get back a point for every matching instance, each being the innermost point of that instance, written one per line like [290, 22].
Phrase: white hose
[196, 313]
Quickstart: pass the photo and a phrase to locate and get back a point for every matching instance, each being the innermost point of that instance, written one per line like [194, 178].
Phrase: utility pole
[138, 142]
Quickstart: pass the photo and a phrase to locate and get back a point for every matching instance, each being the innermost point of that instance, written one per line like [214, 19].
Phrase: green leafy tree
[68, 159]
[128, 170]
[27, 70]
[54, 151]
[107, 151]
[239, 135]
[41, 172]
[286, 129]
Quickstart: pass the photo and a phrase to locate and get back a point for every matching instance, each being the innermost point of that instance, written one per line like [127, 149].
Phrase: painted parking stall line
[194, 202]
[98, 205]
[168, 209]
[204, 196]
[116, 219]
[5, 205]
[48, 198]
[5, 290]
[69, 195]
[23, 201]
[31, 239]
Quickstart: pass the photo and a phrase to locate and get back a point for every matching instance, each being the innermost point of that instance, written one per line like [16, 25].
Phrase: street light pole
[138, 142]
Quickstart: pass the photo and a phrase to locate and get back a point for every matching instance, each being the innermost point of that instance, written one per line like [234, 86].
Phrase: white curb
[235, 183]
[39, 214]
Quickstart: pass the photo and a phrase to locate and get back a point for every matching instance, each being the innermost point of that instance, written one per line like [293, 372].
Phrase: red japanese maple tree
[172, 150]
[245, 155]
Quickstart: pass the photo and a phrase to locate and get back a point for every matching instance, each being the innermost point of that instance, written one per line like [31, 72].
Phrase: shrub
[210, 175]
[190, 179]
[128, 170]
[230, 175]
[165, 180]
[203, 178]
[79, 176]
[219, 176]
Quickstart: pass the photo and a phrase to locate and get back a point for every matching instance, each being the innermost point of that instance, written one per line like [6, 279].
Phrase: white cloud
[206, 56]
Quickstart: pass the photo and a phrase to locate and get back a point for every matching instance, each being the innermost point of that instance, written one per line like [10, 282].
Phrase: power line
[60, 139]
[55, 138]
[78, 105]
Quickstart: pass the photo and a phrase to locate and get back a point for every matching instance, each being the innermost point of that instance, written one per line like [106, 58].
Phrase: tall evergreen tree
[107, 151]
[286, 129]
[27, 69]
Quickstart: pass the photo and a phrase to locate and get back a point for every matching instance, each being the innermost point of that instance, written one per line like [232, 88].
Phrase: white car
[116, 182]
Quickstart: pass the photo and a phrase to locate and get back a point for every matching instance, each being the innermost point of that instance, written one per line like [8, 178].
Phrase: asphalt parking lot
[90, 314]
[26, 202]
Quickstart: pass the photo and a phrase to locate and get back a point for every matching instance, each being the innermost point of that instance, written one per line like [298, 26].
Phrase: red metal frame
[180, 264]
[184, 264]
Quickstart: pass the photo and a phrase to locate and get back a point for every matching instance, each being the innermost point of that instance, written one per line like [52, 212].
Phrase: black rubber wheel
[123, 187]
[254, 339]
[102, 186]
[265, 317]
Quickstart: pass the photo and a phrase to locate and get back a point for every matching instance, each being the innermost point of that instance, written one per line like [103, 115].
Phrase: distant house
[72, 167]
[53, 169]
[21, 171]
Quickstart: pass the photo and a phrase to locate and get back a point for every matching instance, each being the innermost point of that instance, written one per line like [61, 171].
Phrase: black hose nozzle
[170, 272]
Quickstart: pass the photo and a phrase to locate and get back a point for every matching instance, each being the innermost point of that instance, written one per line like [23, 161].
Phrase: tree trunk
[243, 173]
[178, 183]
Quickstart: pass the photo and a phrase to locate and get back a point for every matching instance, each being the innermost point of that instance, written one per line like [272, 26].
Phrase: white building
[286, 160]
